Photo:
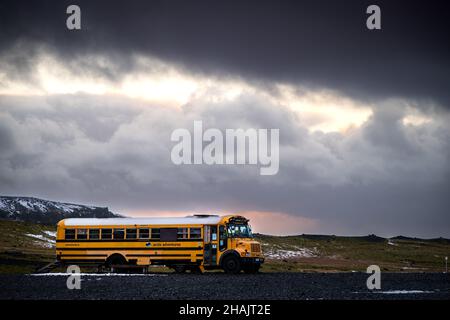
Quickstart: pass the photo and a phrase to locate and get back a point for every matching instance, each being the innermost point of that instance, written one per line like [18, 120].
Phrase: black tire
[231, 264]
[179, 269]
[115, 260]
[251, 269]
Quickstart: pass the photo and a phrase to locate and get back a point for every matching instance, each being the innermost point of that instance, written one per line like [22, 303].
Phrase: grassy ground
[330, 253]
[22, 253]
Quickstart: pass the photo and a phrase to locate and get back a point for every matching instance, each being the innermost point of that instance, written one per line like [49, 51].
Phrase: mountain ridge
[32, 209]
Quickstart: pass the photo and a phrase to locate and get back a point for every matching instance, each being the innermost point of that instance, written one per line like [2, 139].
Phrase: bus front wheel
[231, 264]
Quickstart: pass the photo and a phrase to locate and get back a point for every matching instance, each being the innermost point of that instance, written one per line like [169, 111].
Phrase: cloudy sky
[364, 116]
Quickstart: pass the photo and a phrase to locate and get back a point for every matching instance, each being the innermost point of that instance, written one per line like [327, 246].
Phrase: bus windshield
[239, 231]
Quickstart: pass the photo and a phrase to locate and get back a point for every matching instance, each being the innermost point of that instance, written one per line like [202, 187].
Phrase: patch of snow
[15, 205]
[392, 243]
[66, 207]
[25, 203]
[298, 252]
[3, 205]
[42, 207]
[30, 204]
[44, 241]
[44, 244]
[36, 236]
[70, 208]
[50, 233]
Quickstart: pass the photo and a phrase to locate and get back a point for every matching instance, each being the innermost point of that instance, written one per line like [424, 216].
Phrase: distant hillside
[438, 240]
[47, 212]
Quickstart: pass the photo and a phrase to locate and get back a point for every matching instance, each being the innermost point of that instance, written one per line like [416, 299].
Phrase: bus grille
[255, 247]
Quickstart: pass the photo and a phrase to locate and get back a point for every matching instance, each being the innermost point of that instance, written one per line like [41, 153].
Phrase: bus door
[210, 239]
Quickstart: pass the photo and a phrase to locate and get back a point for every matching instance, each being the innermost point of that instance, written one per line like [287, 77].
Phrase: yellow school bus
[195, 243]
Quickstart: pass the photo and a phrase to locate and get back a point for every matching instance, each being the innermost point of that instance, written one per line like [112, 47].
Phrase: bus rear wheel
[180, 269]
[114, 261]
[231, 264]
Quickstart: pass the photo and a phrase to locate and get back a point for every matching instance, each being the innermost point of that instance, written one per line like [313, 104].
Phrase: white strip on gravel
[97, 274]
[403, 292]
[396, 292]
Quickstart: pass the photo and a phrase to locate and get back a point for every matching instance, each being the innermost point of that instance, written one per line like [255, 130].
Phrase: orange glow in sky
[273, 223]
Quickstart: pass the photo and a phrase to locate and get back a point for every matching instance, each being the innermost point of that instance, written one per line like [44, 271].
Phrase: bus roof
[142, 221]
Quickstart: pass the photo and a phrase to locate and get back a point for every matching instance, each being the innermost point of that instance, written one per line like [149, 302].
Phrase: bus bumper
[252, 260]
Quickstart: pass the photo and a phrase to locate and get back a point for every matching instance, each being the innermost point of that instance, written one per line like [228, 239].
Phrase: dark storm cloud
[317, 43]
[359, 183]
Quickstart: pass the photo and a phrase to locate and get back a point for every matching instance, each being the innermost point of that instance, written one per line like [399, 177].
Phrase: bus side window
[213, 233]
[155, 233]
[222, 238]
[196, 233]
[69, 234]
[131, 233]
[94, 234]
[182, 233]
[106, 234]
[119, 234]
[144, 233]
[168, 234]
[81, 234]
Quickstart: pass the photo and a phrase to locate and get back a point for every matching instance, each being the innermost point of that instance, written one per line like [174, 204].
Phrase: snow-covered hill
[45, 211]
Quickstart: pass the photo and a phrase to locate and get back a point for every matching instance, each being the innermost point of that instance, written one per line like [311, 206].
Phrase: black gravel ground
[295, 286]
